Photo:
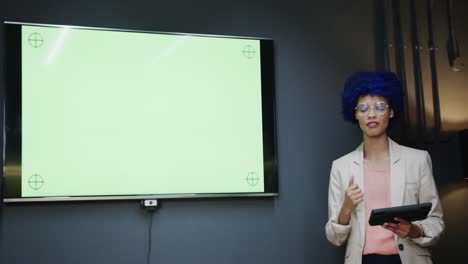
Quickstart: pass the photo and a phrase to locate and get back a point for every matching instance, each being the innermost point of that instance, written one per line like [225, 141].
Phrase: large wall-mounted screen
[93, 113]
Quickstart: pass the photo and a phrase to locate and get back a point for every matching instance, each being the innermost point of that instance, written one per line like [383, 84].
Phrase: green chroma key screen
[118, 113]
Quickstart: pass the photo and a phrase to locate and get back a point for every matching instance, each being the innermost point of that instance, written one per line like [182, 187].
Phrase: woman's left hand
[403, 228]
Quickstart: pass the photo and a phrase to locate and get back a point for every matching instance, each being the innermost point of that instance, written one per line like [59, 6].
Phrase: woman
[380, 173]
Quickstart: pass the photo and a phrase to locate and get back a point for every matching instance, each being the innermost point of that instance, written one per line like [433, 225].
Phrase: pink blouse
[377, 195]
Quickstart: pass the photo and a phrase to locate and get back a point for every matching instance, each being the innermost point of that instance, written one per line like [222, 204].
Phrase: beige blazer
[411, 183]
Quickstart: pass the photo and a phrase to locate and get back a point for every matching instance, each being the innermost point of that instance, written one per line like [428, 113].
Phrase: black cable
[148, 255]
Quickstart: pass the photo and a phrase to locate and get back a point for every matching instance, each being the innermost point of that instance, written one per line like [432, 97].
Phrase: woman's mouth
[372, 124]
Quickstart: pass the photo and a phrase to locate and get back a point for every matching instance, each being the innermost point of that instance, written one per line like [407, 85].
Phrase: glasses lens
[380, 107]
[362, 109]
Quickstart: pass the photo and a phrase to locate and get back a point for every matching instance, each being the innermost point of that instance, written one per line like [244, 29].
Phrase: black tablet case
[410, 213]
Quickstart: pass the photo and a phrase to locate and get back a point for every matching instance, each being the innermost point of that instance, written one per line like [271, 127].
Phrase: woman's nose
[371, 111]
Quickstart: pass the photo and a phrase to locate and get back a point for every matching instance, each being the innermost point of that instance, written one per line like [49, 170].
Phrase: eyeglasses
[364, 108]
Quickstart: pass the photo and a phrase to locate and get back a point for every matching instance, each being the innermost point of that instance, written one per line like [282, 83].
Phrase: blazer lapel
[357, 171]
[397, 174]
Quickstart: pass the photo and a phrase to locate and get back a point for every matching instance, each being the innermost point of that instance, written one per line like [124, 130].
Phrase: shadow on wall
[453, 191]
[453, 245]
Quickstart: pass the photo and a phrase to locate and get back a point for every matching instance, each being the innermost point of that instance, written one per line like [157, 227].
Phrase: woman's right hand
[353, 197]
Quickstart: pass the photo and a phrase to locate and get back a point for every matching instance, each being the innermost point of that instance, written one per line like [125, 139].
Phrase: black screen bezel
[12, 121]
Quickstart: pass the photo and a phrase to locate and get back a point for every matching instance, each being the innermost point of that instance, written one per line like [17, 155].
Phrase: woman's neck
[376, 148]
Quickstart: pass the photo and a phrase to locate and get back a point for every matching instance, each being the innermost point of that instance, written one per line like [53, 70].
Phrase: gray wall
[317, 45]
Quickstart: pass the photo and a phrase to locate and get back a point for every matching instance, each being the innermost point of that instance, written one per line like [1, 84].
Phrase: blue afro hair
[382, 83]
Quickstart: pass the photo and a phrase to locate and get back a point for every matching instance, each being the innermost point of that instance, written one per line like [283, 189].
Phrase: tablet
[410, 213]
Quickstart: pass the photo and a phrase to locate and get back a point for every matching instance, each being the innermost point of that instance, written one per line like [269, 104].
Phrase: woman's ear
[391, 113]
